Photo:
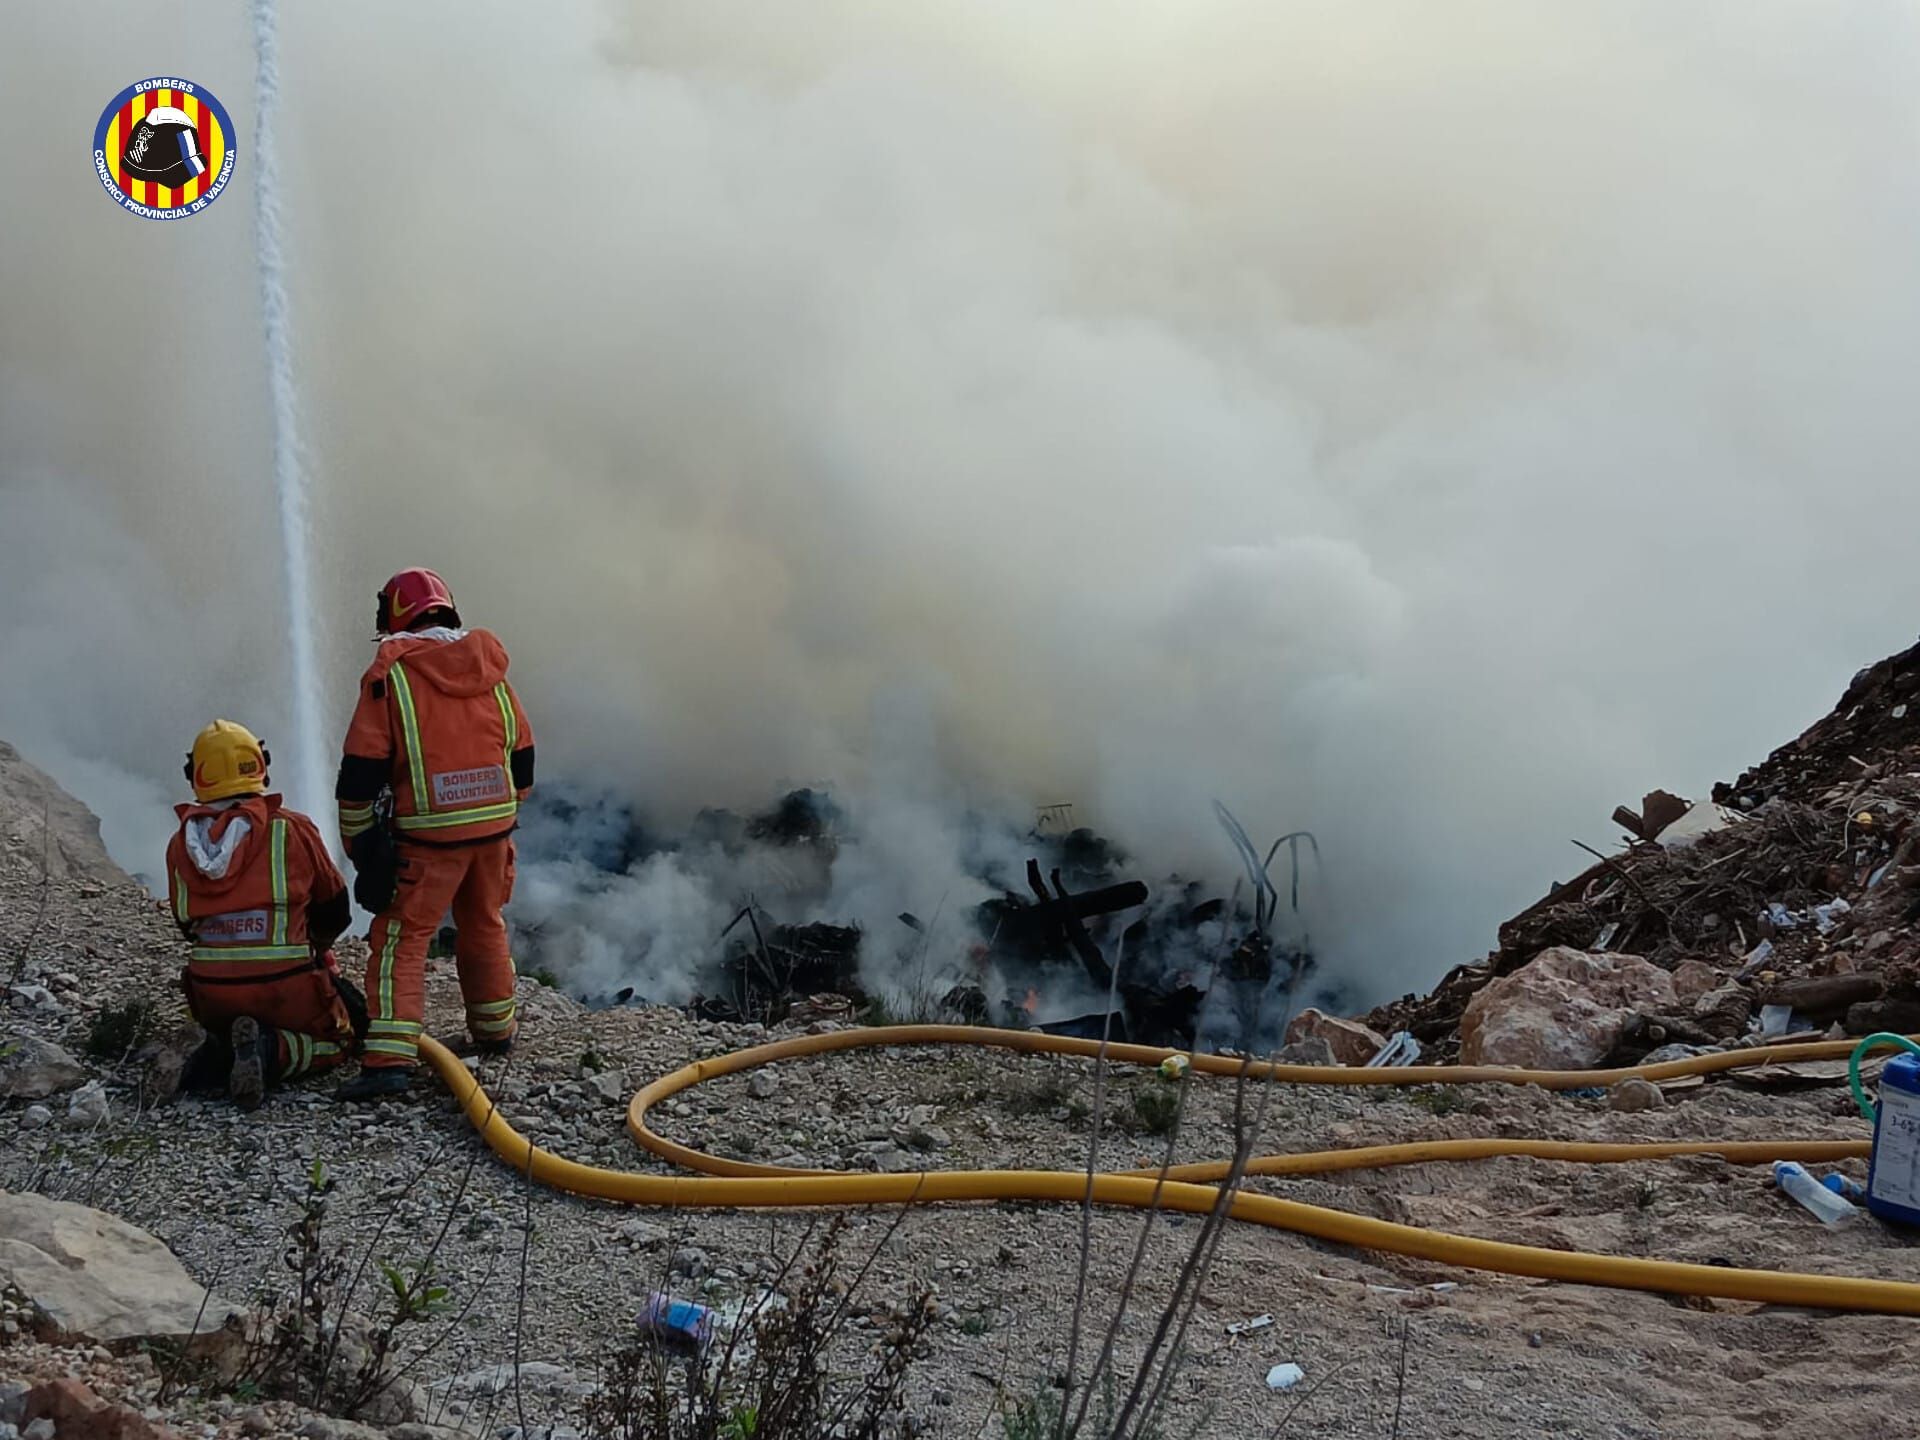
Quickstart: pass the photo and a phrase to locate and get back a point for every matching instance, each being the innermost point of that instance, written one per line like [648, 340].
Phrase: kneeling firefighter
[438, 758]
[253, 888]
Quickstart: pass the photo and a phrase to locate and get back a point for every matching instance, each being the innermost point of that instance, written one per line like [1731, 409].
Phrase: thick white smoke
[1429, 425]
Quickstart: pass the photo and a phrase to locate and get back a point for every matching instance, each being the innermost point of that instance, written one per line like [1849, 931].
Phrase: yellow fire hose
[719, 1183]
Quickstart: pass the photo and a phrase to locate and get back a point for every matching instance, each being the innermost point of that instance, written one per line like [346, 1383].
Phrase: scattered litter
[1605, 937]
[1439, 1287]
[1173, 1067]
[1700, 820]
[1247, 1327]
[676, 1324]
[1826, 917]
[1775, 1020]
[1402, 1049]
[1827, 1207]
[1779, 916]
[1756, 960]
[1802, 1074]
[1900, 712]
[1285, 1377]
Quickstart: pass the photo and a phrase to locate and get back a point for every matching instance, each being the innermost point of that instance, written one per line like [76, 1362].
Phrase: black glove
[376, 866]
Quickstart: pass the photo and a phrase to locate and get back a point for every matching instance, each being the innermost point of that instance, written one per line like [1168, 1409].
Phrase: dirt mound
[41, 820]
[1797, 882]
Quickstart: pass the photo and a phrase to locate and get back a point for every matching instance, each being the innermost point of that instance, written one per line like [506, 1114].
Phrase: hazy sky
[1428, 424]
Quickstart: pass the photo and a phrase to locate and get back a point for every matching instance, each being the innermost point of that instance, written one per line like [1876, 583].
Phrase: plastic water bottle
[676, 1324]
[1844, 1187]
[1793, 1177]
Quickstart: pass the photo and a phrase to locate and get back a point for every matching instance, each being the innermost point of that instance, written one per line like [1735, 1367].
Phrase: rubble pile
[1785, 904]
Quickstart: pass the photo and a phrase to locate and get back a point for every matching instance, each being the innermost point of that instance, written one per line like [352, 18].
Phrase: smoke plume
[1425, 425]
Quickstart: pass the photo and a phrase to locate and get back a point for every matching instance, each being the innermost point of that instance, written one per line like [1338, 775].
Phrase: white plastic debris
[1402, 1049]
[1285, 1377]
[1174, 1066]
[1700, 820]
[1826, 917]
[1775, 1020]
[1247, 1327]
[1780, 917]
[1900, 711]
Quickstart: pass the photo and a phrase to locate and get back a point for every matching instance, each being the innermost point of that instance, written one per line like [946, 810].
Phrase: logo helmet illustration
[164, 148]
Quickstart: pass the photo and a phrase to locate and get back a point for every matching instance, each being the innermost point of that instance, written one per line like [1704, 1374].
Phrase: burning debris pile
[747, 918]
[1783, 905]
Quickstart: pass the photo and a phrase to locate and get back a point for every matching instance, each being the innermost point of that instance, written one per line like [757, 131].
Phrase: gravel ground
[1491, 1356]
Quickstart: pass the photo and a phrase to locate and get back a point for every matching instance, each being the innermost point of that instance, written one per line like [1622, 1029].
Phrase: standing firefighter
[437, 760]
[253, 888]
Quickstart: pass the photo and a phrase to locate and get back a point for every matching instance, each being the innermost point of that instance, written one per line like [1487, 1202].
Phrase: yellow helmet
[227, 760]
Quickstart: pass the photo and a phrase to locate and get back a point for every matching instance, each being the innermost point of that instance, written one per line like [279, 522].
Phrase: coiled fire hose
[719, 1183]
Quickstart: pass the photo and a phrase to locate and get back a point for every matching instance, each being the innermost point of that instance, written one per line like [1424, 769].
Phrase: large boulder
[33, 1069]
[48, 824]
[92, 1276]
[71, 1408]
[1563, 1010]
[1351, 1042]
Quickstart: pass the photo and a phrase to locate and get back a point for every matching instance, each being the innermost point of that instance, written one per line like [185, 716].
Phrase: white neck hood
[212, 857]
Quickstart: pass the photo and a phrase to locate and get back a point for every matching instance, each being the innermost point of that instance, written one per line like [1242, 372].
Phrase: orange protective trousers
[303, 1010]
[475, 882]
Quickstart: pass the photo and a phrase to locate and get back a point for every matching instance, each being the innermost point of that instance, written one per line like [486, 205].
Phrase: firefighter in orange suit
[252, 886]
[438, 758]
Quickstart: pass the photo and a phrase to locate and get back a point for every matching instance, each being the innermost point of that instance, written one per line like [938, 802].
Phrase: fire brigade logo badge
[164, 148]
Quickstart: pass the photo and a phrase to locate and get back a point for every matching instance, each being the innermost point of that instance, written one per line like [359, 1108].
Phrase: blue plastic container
[1893, 1181]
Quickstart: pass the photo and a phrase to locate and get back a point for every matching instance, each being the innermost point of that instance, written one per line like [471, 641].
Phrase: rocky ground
[555, 1280]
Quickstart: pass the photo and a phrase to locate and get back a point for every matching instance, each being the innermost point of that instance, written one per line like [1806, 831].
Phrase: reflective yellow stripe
[492, 1007]
[355, 820]
[385, 1005]
[394, 1027]
[410, 732]
[490, 1027]
[447, 818]
[297, 1053]
[406, 1048]
[280, 882]
[179, 896]
[512, 728]
[218, 954]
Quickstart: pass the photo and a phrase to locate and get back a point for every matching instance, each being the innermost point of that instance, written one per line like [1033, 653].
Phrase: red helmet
[408, 597]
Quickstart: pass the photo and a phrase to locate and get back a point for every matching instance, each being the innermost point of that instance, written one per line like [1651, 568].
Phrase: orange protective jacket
[259, 907]
[438, 724]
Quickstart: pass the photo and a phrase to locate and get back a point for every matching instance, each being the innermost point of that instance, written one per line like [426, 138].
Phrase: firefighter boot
[379, 1083]
[255, 1049]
